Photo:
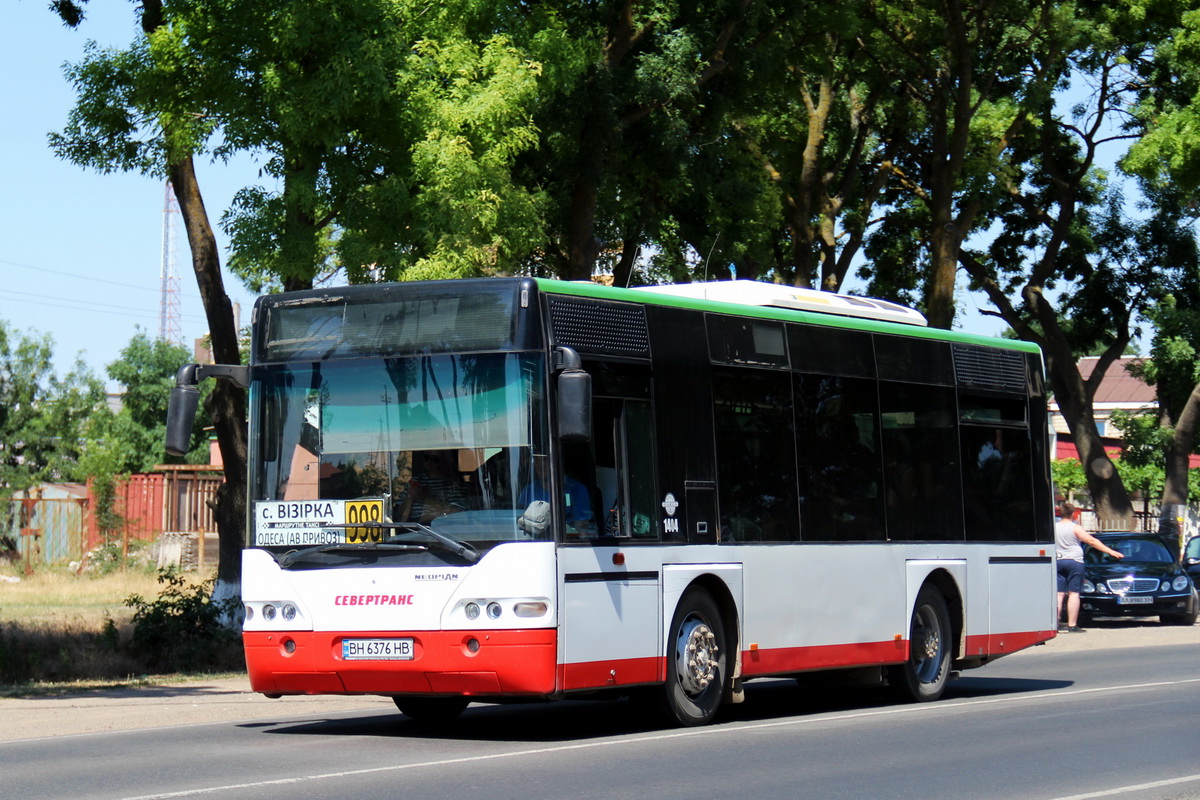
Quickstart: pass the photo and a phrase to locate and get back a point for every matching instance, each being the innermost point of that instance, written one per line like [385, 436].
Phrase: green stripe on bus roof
[600, 292]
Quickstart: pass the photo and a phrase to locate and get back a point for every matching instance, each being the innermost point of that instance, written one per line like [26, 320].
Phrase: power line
[88, 305]
[86, 277]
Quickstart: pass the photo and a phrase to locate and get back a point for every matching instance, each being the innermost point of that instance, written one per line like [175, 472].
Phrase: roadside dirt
[231, 700]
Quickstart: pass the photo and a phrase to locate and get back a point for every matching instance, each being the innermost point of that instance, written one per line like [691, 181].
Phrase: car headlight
[1102, 588]
[1166, 586]
[1088, 587]
[1180, 583]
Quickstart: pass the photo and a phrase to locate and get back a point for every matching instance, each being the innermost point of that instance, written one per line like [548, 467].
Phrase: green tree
[631, 90]
[1168, 437]
[1070, 267]
[138, 110]
[1165, 158]
[132, 439]
[42, 415]
[1068, 477]
[973, 76]
[388, 125]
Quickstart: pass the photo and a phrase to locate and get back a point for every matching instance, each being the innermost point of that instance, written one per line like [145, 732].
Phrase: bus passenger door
[610, 614]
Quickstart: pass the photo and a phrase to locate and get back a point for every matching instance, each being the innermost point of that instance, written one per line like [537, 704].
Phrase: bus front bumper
[468, 663]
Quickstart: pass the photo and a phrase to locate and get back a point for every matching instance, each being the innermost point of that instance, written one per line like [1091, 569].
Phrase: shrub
[183, 630]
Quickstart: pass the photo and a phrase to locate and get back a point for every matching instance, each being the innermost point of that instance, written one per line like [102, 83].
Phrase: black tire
[431, 710]
[924, 676]
[697, 664]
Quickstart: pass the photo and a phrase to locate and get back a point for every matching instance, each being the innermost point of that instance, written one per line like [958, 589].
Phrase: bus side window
[624, 440]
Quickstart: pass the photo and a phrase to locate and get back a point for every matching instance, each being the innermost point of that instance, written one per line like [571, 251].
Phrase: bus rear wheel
[431, 710]
[923, 677]
[696, 660]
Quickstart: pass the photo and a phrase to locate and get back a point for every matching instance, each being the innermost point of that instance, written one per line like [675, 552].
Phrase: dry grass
[59, 597]
[58, 628]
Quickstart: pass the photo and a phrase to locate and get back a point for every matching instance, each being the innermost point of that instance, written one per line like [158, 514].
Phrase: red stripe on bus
[518, 662]
[830, 656]
[998, 644]
[622, 672]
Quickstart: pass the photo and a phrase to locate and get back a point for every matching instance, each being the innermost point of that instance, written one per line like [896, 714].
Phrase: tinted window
[1193, 548]
[993, 410]
[997, 484]
[914, 360]
[921, 472]
[1136, 549]
[831, 351]
[756, 456]
[735, 340]
[837, 442]
[419, 319]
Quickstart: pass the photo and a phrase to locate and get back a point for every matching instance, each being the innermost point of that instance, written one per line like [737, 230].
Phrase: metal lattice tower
[169, 326]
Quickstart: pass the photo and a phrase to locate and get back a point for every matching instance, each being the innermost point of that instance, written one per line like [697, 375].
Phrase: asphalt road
[1110, 713]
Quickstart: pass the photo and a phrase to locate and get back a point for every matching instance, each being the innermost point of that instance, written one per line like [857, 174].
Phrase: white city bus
[522, 488]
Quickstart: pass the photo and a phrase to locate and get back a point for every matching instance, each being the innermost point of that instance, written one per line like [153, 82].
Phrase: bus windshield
[413, 447]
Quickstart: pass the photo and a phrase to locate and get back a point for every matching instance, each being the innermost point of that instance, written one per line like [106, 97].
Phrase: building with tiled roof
[1118, 390]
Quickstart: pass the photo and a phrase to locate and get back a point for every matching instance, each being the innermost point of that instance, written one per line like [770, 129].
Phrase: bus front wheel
[930, 640]
[431, 710]
[696, 660]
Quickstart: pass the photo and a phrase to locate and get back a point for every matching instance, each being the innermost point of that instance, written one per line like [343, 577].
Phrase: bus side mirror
[181, 411]
[574, 397]
[575, 406]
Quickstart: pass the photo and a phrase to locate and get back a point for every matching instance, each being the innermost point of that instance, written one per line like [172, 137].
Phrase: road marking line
[1135, 788]
[707, 731]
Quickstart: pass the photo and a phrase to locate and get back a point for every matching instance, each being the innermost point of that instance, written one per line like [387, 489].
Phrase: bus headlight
[471, 610]
[494, 610]
[268, 612]
[289, 612]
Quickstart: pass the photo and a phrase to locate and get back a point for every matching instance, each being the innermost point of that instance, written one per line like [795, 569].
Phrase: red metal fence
[55, 523]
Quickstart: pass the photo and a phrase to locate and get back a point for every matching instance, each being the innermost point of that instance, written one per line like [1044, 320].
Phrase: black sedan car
[1148, 581]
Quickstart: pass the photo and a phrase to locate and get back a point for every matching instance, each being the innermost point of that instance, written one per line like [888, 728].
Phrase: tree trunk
[1175, 488]
[943, 267]
[1109, 495]
[226, 404]
[299, 245]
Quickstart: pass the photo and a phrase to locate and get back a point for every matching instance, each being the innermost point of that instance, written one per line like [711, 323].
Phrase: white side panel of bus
[817, 595]
[1022, 596]
[604, 618]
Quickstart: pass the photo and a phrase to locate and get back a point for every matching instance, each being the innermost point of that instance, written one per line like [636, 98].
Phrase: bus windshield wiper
[453, 545]
[294, 556]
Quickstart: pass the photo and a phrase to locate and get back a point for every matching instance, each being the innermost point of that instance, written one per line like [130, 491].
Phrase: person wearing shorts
[1069, 538]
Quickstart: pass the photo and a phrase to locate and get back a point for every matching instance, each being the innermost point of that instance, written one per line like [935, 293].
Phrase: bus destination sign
[301, 523]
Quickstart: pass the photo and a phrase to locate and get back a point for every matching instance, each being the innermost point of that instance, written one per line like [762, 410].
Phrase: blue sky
[81, 252]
